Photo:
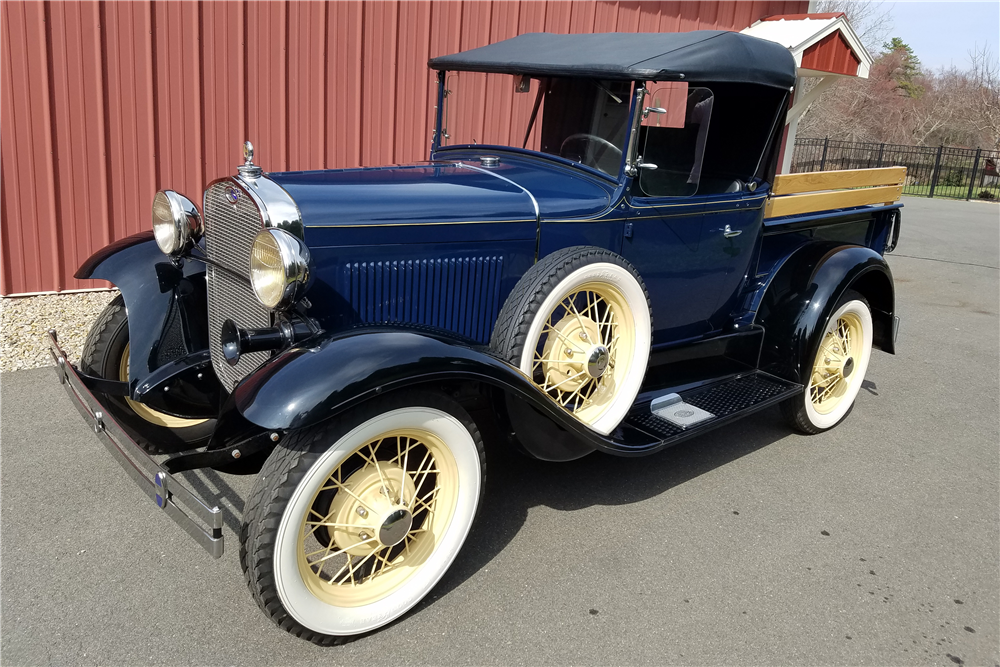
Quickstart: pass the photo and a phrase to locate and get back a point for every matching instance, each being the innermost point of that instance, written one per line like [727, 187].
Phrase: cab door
[674, 237]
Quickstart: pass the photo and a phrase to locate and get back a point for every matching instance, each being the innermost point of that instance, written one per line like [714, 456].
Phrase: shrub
[986, 194]
[952, 179]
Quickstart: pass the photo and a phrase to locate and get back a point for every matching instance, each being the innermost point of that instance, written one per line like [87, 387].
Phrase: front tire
[353, 521]
[106, 355]
[838, 368]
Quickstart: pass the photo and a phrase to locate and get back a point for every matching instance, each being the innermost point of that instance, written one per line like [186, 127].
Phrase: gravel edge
[25, 321]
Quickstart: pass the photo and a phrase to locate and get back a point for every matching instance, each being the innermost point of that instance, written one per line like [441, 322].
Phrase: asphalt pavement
[875, 543]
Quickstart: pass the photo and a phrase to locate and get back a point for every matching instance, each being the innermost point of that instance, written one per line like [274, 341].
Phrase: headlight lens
[176, 222]
[279, 268]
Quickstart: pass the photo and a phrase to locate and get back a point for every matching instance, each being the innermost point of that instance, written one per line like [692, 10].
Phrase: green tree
[909, 67]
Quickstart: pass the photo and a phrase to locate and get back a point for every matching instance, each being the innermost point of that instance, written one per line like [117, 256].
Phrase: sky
[942, 33]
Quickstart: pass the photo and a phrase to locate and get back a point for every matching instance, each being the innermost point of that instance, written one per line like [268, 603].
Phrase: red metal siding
[831, 54]
[105, 102]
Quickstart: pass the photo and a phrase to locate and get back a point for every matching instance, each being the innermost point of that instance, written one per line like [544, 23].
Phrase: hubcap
[395, 527]
[597, 361]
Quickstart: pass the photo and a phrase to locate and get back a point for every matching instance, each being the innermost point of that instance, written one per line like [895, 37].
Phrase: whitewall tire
[579, 325]
[352, 522]
[834, 375]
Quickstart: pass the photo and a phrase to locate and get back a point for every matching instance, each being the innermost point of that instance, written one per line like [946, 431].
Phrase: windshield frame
[626, 159]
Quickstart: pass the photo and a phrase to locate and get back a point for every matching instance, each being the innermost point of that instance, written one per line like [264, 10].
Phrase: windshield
[584, 120]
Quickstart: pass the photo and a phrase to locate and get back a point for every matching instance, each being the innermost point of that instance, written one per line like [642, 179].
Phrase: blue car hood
[436, 192]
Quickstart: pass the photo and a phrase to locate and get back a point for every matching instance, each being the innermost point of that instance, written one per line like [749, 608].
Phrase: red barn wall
[106, 102]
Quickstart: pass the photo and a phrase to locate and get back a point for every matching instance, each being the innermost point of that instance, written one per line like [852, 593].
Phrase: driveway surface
[876, 543]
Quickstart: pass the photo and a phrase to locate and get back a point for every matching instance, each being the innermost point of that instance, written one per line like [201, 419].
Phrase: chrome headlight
[176, 222]
[279, 268]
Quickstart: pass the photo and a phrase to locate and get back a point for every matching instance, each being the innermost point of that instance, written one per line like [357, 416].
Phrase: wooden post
[975, 166]
[936, 172]
[822, 160]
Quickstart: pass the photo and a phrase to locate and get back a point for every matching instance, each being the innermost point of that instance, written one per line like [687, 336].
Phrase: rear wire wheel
[838, 368]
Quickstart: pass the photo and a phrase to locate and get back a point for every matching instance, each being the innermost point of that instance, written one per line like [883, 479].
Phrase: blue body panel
[421, 193]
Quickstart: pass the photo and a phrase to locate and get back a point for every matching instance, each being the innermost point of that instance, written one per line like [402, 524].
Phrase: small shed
[825, 48]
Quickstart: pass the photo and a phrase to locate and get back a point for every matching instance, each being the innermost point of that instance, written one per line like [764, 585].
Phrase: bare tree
[984, 102]
[869, 18]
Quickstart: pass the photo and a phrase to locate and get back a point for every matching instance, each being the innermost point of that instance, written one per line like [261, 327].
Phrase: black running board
[643, 432]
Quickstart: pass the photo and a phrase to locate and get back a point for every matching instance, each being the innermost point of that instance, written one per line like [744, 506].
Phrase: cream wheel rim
[585, 350]
[146, 412]
[377, 517]
[838, 364]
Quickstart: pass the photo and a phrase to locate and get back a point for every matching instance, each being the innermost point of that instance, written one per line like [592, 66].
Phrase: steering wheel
[607, 145]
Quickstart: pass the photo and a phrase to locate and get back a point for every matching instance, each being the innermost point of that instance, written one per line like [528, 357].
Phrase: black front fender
[803, 294]
[167, 322]
[324, 377]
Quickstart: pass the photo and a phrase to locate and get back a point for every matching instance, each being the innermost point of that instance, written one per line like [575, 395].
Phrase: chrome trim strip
[504, 178]
[414, 223]
[630, 169]
[165, 490]
[277, 207]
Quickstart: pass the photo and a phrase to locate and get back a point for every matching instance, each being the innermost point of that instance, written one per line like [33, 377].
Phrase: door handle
[729, 232]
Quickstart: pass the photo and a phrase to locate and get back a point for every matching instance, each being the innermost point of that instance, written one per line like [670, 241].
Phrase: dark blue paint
[413, 193]
[458, 286]
[561, 190]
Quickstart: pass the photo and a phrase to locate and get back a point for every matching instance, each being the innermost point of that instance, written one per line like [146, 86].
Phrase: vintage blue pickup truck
[624, 272]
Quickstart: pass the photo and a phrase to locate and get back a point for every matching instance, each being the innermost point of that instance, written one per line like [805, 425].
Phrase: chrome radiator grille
[229, 235]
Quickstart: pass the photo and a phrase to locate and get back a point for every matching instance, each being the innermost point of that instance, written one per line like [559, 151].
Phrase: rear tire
[105, 355]
[837, 370]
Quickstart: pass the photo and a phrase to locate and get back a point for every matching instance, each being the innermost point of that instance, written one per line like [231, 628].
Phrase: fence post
[881, 150]
[936, 172]
[975, 166]
[822, 160]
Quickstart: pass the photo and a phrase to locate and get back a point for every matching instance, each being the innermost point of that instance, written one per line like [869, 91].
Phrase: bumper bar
[166, 491]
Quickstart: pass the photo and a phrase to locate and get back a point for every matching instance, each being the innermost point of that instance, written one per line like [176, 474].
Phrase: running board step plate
[666, 420]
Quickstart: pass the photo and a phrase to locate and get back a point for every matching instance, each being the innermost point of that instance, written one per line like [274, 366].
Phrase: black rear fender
[800, 298]
[328, 375]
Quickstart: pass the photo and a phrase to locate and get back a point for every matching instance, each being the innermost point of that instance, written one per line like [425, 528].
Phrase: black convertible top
[702, 55]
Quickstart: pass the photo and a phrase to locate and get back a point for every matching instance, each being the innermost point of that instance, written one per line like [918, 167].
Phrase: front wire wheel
[352, 522]
[838, 368]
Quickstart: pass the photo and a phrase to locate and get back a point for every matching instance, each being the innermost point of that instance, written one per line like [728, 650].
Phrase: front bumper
[166, 491]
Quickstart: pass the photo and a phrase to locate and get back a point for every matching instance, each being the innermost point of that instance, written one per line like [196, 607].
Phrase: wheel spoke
[328, 556]
[426, 501]
[562, 382]
[417, 485]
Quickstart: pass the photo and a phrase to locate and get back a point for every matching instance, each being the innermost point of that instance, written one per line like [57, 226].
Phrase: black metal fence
[942, 171]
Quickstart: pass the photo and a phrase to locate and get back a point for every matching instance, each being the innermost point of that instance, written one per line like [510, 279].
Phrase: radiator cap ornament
[248, 169]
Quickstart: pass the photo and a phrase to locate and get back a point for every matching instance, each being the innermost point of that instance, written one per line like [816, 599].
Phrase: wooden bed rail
[793, 194]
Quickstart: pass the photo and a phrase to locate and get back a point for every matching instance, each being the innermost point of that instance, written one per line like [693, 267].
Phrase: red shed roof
[822, 44]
